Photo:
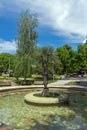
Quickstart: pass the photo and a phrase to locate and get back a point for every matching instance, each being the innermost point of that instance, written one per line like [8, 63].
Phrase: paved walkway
[59, 83]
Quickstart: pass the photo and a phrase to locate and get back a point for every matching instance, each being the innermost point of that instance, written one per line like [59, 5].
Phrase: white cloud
[63, 16]
[7, 46]
[69, 16]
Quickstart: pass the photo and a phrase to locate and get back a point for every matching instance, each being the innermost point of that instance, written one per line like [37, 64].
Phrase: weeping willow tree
[26, 44]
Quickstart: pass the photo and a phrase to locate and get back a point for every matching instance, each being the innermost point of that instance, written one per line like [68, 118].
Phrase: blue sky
[60, 22]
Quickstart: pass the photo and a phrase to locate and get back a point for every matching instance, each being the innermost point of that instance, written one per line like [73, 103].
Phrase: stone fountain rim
[31, 98]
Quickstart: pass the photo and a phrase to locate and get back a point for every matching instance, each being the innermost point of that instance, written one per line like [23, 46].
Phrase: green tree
[82, 57]
[6, 62]
[45, 53]
[66, 55]
[26, 43]
[54, 65]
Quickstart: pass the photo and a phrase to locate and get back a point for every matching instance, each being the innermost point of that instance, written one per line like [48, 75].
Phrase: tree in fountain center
[46, 54]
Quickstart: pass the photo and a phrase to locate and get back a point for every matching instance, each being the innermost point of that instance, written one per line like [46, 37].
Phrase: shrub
[57, 77]
[5, 76]
[37, 77]
[27, 82]
[24, 82]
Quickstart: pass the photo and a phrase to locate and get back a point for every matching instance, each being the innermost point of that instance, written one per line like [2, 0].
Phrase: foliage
[6, 62]
[5, 76]
[56, 77]
[69, 59]
[82, 57]
[26, 44]
[39, 77]
[46, 54]
[23, 82]
[27, 35]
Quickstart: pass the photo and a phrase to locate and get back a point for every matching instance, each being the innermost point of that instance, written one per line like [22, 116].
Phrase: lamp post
[53, 69]
[45, 75]
[9, 67]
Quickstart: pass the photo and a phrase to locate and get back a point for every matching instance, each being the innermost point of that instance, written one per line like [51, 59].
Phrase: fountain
[17, 114]
[45, 97]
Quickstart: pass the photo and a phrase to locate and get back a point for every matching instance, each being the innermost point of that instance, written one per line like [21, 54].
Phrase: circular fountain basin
[32, 98]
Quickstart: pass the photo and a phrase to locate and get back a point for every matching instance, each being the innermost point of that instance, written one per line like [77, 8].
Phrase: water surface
[21, 116]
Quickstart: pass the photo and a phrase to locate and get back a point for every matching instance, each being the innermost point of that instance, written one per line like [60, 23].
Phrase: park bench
[7, 83]
[38, 82]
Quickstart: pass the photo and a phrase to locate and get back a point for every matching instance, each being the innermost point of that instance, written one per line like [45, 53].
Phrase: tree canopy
[26, 43]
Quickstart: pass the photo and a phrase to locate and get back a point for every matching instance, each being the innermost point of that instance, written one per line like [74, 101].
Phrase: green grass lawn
[72, 83]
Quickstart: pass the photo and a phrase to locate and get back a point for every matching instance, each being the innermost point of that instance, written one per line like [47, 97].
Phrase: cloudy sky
[60, 22]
